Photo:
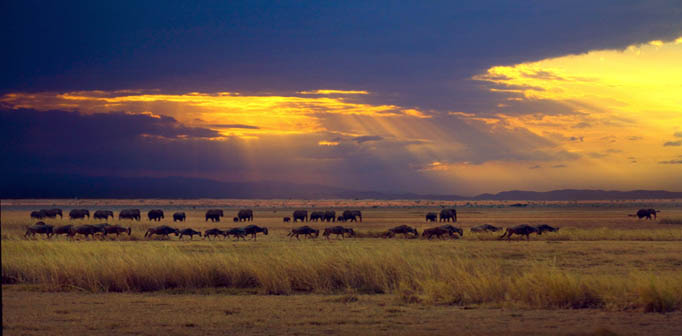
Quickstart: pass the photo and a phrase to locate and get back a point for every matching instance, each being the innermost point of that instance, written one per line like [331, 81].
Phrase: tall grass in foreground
[136, 267]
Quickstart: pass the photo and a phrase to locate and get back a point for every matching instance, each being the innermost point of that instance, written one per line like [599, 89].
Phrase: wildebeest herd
[246, 215]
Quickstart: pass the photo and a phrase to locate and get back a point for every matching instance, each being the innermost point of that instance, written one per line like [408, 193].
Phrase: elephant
[79, 213]
[316, 215]
[214, 215]
[133, 214]
[103, 214]
[431, 217]
[349, 215]
[52, 213]
[301, 215]
[179, 217]
[155, 215]
[448, 214]
[245, 215]
[38, 214]
[357, 214]
[330, 216]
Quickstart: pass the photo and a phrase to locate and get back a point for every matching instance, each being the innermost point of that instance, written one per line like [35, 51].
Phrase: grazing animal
[235, 219]
[485, 228]
[305, 230]
[254, 229]
[316, 215]
[52, 213]
[452, 230]
[338, 231]
[38, 214]
[117, 229]
[155, 215]
[287, 219]
[162, 230]
[330, 216]
[189, 232]
[521, 230]
[448, 214]
[436, 231]
[544, 227]
[79, 213]
[214, 233]
[431, 217]
[301, 215]
[641, 213]
[349, 215]
[245, 215]
[39, 228]
[86, 230]
[214, 215]
[236, 233]
[133, 214]
[179, 217]
[404, 229]
[357, 214]
[103, 214]
[64, 229]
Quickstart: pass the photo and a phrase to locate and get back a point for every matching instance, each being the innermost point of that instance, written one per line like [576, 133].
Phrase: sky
[430, 97]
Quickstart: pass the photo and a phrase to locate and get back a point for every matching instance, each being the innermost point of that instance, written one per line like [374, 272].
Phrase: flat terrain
[35, 313]
[614, 268]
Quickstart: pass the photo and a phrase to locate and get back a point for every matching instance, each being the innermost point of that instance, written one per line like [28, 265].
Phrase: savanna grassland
[603, 272]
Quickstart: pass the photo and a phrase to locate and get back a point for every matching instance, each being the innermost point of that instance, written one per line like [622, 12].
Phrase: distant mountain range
[72, 186]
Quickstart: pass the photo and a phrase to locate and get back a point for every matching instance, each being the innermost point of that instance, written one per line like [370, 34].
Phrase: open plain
[602, 273]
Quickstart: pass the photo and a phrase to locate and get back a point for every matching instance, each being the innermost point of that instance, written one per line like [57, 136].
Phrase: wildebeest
[155, 215]
[431, 217]
[254, 229]
[189, 232]
[340, 219]
[452, 230]
[86, 230]
[404, 229]
[215, 232]
[522, 230]
[38, 214]
[305, 230]
[179, 217]
[338, 231]
[64, 229]
[436, 231]
[301, 215]
[79, 213]
[286, 219]
[448, 214]
[641, 213]
[485, 228]
[236, 233]
[316, 215]
[52, 213]
[103, 214]
[40, 228]
[245, 215]
[330, 216]
[133, 214]
[162, 230]
[544, 227]
[214, 215]
[117, 229]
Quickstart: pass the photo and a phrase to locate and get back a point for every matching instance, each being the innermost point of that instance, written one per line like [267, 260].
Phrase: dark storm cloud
[365, 138]
[382, 46]
[234, 126]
